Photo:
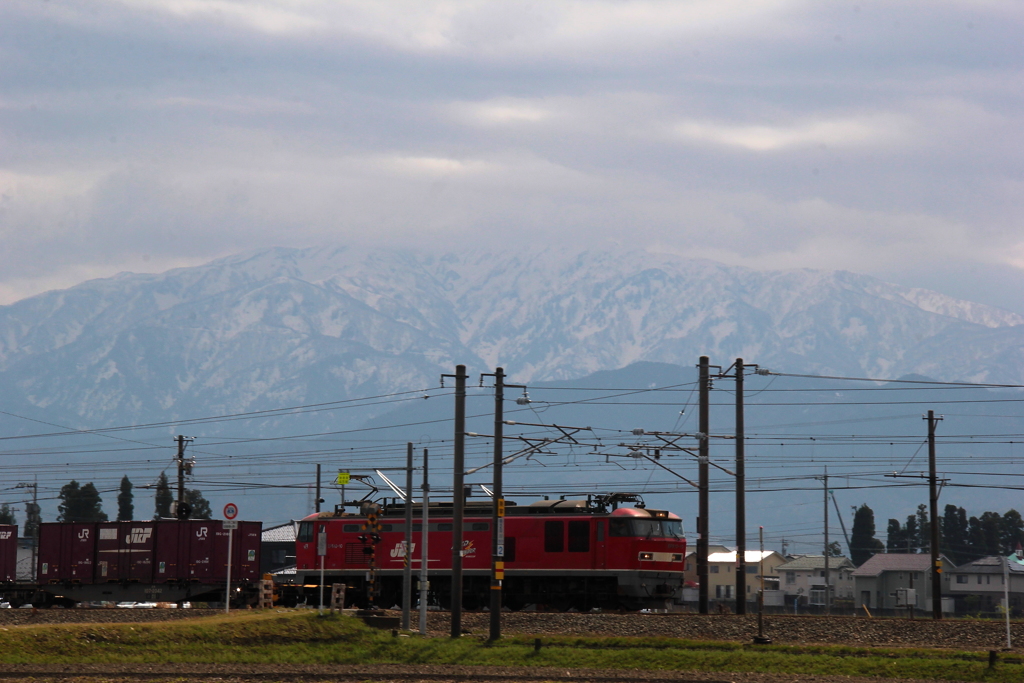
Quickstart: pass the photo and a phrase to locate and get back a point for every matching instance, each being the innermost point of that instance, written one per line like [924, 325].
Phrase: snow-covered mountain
[290, 327]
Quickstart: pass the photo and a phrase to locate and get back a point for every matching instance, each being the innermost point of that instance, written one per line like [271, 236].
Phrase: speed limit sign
[230, 511]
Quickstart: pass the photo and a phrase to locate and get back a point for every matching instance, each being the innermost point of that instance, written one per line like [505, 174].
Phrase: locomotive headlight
[646, 556]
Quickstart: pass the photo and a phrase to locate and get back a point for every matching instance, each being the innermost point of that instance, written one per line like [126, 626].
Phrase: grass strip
[301, 638]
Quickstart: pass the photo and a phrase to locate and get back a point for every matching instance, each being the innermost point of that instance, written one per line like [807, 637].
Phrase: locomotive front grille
[354, 555]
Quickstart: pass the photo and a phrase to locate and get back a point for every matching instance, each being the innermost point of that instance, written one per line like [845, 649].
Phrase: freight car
[156, 561]
[558, 554]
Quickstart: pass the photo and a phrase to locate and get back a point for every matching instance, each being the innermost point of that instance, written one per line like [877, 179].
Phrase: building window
[714, 569]
[790, 577]
[979, 579]
[961, 578]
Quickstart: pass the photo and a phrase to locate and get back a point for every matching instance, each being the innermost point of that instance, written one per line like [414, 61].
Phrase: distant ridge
[286, 327]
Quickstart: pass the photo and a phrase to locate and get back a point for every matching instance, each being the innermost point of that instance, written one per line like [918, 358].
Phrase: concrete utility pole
[828, 600]
[407, 568]
[933, 498]
[703, 457]
[741, 507]
[458, 498]
[318, 489]
[424, 584]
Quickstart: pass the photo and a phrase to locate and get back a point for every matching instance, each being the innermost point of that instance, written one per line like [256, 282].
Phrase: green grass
[304, 638]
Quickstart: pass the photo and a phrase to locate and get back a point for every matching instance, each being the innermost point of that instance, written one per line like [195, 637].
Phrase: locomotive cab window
[554, 537]
[618, 527]
[579, 537]
[510, 549]
[305, 532]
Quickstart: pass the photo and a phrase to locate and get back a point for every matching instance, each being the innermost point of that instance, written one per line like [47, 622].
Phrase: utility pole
[828, 600]
[497, 508]
[703, 457]
[32, 521]
[424, 584]
[933, 496]
[182, 509]
[741, 507]
[407, 568]
[318, 489]
[458, 498]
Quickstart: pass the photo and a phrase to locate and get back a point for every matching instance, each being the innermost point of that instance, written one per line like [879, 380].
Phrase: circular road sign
[230, 511]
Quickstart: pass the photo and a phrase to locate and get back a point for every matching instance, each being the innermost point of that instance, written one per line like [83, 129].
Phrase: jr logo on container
[139, 535]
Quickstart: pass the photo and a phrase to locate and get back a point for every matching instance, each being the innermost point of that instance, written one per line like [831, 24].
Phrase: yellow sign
[343, 478]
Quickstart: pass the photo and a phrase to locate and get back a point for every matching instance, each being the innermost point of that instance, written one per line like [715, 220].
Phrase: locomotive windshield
[647, 528]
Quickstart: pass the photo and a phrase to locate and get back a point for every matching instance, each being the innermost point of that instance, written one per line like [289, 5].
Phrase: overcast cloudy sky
[879, 137]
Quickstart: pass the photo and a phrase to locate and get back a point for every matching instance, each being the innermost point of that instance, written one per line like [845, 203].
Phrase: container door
[139, 542]
[83, 552]
[202, 539]
[108, 552]
[166, 552]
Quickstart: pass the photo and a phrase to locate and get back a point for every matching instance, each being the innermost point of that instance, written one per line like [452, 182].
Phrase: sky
[878, 137]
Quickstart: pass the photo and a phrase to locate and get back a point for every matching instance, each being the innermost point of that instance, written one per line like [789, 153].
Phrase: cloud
[776, 133]
[849, 132]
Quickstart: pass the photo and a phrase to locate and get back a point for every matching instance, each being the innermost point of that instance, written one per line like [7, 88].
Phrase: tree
[924, 529]
[80, 503]
[863, 543]
[163, 498]
[125, 504]
[983, 535]
[7, 515]
[1011, 531]
[895, 538]
[953, 542]
[834, 549]
[911, 535]
[200, 506]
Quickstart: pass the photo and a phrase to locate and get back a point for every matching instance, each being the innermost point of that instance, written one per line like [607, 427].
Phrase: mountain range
[285, 327]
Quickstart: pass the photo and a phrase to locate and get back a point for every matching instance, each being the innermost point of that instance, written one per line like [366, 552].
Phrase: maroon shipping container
[108, 553]
[170, 558]
[245, 551]
[138, 542]
[200, 547]
[49, 552]
[8, 552]
[80, 546]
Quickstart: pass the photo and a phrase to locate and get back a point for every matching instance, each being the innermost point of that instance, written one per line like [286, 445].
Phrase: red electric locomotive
[558, 554]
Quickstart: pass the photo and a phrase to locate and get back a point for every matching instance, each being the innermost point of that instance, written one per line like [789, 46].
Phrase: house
[803, 579]
[980, 586]
[722, 571]
[881, 582]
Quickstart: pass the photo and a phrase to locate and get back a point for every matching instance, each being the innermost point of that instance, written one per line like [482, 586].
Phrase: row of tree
[961, 538]
[82, 503]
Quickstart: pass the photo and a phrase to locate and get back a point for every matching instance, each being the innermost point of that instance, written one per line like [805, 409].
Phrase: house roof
[991, 565]
[282, 533]
[896, 562]
[814, 562]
